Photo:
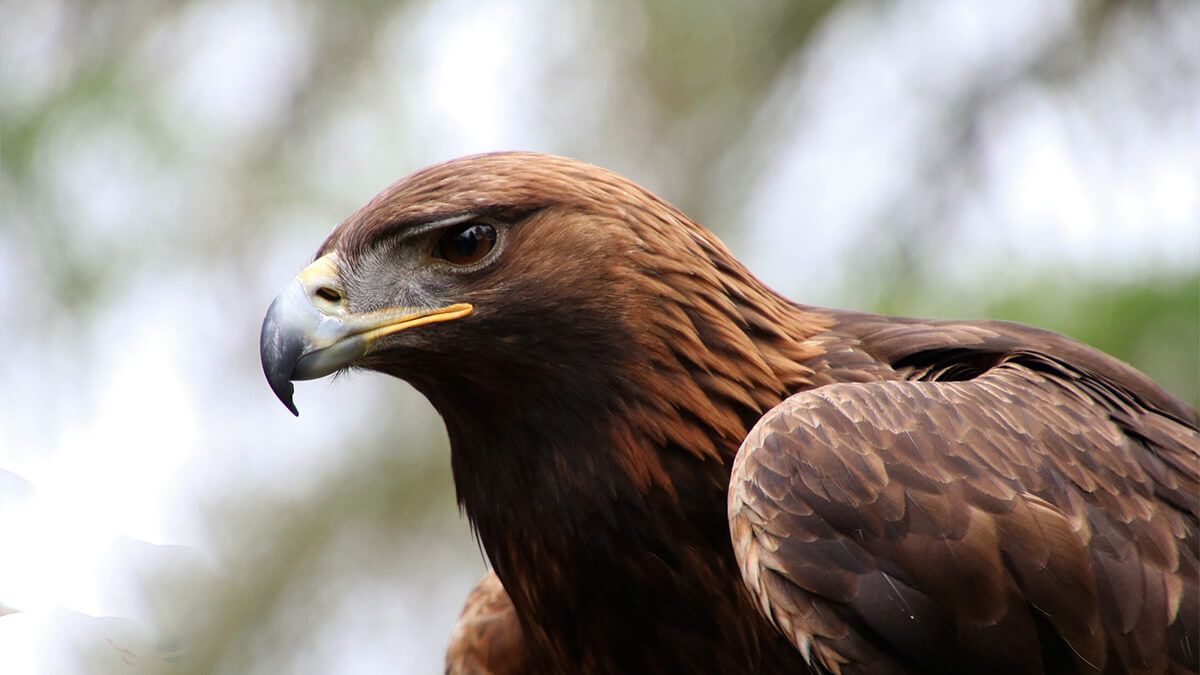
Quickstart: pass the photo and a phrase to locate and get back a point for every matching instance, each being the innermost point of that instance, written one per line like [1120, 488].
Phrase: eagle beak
[310, 332]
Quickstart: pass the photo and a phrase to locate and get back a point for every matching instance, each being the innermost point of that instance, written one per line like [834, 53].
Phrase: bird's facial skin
[332, 314]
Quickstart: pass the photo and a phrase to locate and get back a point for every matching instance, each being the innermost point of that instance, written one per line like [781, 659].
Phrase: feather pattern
[487, 639]
[1037, 503]
[915, 496]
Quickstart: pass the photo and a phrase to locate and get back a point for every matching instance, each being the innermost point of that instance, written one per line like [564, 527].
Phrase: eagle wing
[1038, 517]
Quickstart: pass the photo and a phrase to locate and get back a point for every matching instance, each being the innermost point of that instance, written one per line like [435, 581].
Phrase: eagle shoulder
[943, 525]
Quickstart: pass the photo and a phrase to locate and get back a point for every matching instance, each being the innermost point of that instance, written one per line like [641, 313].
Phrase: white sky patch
[470, 55]
[229, 66]
[1091, 177]
[106, 478]
[477, 68]
[28, 67]
[1039, 184]
[1176, 192]
[19, 635]
[100, 175]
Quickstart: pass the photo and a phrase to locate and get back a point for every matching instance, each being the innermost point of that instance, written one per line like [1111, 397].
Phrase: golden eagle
[673, 469]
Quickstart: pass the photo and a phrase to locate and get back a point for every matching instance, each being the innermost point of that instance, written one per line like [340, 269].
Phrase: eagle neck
[600, 496]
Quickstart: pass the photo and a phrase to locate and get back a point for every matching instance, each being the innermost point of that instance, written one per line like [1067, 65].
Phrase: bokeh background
[165, 167]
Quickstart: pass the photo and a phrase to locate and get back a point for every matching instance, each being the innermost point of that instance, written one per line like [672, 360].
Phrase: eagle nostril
[329, 294]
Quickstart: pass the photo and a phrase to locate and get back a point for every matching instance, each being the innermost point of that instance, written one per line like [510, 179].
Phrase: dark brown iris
[466, 243]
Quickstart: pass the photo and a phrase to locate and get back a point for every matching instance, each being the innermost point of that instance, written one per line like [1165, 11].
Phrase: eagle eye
[466, 243]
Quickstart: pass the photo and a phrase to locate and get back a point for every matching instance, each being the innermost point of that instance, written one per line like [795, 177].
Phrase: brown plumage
[487, 639]
[914, 496]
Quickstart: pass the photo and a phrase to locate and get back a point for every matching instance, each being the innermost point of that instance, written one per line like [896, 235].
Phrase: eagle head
[478, 272]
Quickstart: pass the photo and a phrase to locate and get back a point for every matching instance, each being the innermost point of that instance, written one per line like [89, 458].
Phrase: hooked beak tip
[279, 354]
[284, 392]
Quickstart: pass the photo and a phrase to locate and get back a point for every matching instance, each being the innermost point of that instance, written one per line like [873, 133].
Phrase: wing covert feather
[1023, 521]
